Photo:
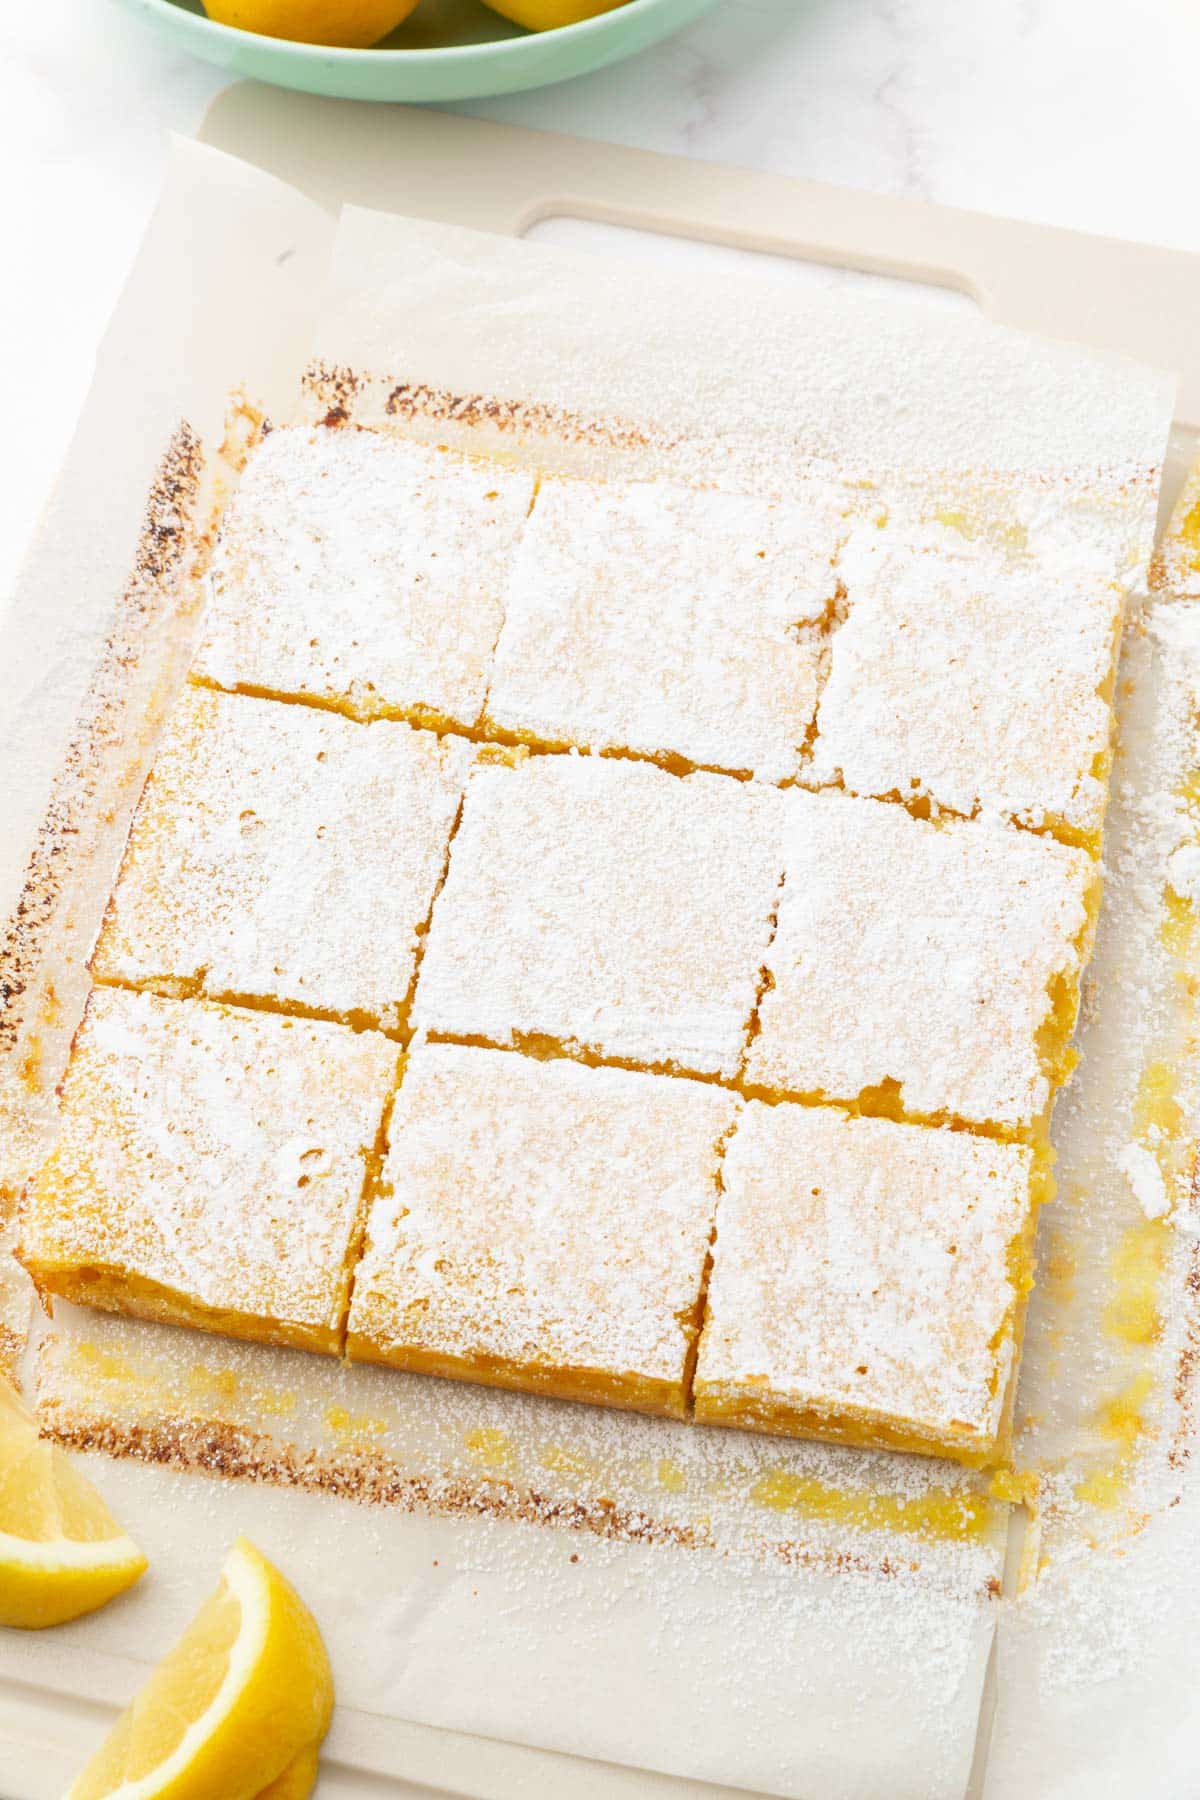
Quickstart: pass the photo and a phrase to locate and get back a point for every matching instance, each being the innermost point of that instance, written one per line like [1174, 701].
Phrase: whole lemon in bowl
[547, 15]
[346, 24]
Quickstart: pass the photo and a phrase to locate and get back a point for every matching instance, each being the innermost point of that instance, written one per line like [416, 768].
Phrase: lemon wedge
[61, 1551]
[298, 1779]
[238, 1707]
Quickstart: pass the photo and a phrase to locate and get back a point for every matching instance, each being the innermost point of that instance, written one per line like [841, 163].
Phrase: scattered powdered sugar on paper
[1140, 1168]
[443, 308]
[1183, 872]
[789, 1657]
[408, 1440]
[1101, 1631]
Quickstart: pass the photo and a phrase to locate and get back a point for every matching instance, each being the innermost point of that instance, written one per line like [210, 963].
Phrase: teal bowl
[448, 49]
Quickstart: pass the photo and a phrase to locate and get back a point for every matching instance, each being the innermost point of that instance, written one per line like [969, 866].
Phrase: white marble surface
[1075, 113]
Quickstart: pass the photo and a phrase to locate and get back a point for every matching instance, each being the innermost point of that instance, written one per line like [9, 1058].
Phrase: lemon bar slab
[929, 969]
[364, 571]
[209, 1167]
[608, 906]
[867, 1282]
[676, 623]
[542, 1225]
[979, 686]
[285, 855]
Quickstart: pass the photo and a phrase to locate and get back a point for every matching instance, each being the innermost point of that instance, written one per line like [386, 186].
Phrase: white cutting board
[1103, 293]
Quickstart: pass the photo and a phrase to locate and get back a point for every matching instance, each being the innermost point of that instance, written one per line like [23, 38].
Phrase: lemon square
[209, 1167]
[365, 571]
[933, 968]
[606, 905]
[682, 624]
[542, 1225]
[981, 685]
[867, 1282]
[284, 855]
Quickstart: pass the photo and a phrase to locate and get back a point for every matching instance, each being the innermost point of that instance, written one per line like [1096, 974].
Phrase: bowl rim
[502, 48]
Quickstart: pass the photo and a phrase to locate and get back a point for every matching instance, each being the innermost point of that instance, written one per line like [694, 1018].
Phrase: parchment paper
[223, 291]
[797, 1620]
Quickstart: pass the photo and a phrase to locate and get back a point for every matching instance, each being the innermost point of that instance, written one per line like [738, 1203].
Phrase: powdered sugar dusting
[535, 1549]
[1139, 1165]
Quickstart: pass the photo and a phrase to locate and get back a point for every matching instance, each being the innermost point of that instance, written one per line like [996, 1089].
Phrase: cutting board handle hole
[781, 268]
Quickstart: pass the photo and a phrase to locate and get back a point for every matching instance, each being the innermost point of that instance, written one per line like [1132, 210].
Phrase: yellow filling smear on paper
[568, 1462]
[1133, 1314]
[493, 1450]
[1122, 1422]
[350, 1428]
[943, 1513]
